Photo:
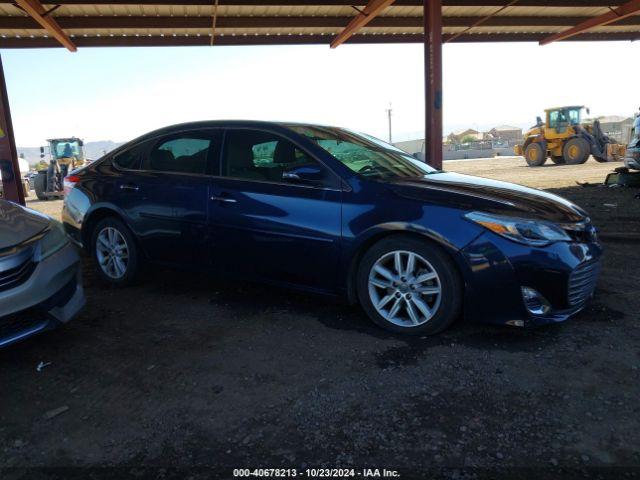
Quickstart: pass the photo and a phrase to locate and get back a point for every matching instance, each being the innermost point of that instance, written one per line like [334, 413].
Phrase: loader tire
[576, 151]
[40, 186]
[535, 155]
[557, 159]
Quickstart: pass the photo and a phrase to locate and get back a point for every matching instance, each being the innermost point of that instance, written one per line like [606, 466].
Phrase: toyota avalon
[331, 211]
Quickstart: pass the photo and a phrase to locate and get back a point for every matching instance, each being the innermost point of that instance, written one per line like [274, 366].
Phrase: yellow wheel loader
[66, 154]
[566, 140]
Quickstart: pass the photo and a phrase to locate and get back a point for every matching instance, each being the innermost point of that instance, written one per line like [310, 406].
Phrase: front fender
[452, 236]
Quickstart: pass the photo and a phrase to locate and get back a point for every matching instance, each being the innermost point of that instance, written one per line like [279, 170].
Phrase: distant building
[461, 135]
[617, 127]
[506, 133]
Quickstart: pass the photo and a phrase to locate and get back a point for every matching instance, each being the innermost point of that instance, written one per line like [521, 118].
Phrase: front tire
[410, 286]
[40, 186]
[115, 252]
[535, 155]
[576, 151]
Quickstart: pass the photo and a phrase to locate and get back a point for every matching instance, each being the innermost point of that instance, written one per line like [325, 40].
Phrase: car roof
[226, 123]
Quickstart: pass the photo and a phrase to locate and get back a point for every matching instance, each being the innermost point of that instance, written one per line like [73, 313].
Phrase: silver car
[40, 276]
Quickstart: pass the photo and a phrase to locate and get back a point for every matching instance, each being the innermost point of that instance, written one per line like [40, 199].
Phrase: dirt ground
[184, 371]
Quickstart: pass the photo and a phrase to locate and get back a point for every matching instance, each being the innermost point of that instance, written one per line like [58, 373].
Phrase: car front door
[171, 192]
[276, 212]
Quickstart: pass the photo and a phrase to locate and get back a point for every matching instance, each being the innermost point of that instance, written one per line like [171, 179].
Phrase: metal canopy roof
[89, 23]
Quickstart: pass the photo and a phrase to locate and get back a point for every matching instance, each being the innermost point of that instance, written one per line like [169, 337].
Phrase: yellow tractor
[565, 139]
[66, 154]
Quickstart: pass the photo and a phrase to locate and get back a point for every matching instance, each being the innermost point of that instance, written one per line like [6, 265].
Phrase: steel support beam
[202, 22]
[36, 11]
[311, 39]
[12, 185]
[623, 11]
[371, 11]
[324, 3]
[433, 82]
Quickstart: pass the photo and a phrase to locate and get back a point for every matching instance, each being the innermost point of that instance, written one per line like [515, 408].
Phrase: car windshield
[365, 155]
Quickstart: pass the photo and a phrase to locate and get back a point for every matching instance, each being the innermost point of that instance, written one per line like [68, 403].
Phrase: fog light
[535, 302]
[515, 323]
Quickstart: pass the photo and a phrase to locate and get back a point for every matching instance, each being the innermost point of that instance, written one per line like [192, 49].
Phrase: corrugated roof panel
[200, 31]
[15, 23]
[203, 10]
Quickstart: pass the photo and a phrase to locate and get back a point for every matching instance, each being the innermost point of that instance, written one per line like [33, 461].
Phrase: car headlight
[536, 233]
[52, 241]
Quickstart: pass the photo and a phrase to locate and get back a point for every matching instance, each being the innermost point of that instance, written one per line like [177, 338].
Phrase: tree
[469, 139]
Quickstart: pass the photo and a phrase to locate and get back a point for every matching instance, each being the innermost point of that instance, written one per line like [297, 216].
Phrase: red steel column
[433, 81]
[11, 178]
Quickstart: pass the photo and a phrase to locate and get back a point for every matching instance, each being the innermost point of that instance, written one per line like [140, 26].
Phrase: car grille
[582, 282]
[22, 266]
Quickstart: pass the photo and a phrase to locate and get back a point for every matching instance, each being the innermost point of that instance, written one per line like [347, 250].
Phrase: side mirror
[307, 174]
[41, 152]
[588, 111]
[81, 143]
[539, 120]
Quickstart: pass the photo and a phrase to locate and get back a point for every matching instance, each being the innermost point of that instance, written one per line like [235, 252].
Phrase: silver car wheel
[404, 288]
[112, 252]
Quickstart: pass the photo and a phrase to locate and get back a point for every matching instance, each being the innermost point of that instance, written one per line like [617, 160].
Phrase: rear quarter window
[129, 159]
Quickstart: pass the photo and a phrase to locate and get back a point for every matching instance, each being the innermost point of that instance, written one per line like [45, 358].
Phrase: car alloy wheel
[112, 253]
[404, 288]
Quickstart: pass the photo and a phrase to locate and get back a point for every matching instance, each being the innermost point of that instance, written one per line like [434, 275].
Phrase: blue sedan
[331, 211]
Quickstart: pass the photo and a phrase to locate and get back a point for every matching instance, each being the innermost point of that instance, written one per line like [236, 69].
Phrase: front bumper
[499, 268]
[52, 295]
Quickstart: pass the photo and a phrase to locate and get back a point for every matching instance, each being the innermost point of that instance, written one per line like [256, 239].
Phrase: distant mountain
[92, 150]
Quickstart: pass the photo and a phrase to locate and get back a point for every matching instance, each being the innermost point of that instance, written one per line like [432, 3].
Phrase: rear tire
[40, 186]
[576, 151]
[427, 296]
[115, 252]
[535, 155]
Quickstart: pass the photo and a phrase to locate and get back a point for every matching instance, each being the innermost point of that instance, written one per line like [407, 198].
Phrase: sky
[118, 94]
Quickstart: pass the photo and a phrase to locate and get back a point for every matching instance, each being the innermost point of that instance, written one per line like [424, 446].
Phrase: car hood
[18, 224]
[483, 194]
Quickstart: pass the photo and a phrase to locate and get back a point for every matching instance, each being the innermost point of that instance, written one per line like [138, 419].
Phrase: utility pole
[389, 110]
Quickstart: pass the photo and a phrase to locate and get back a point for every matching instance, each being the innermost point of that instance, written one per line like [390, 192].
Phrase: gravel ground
[186, 371]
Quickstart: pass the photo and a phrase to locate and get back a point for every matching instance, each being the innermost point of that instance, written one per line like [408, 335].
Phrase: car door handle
[224, 199]
[133, 188]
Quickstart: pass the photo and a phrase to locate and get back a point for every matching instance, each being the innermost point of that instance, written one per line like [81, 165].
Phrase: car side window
[264, 156]
[129, 159]
[186, 153]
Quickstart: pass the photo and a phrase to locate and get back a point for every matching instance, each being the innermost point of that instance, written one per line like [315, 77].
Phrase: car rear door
[170, 196]
[268, 224]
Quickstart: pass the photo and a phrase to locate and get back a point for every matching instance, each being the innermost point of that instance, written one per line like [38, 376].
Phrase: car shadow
[331, 312]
